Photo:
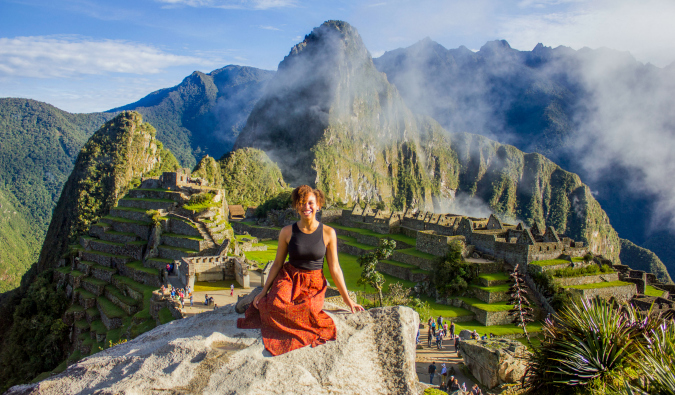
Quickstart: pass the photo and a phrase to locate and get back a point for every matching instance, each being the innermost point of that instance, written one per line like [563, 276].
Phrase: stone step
[118, 237]
[496, 314]
[157, 263]
[97, 229]
[85, 298]
[183, 227]
[133, 249]
[75, 277]
[492, 279]
[97, 328]
[402, 270]
[92, 313]
[129, 287]
[104, 258]
[74, 313]
[147, 203]
[102, 273]
[94, 285]
[493, 294]
[139, 228]
[141, 274]
[128, 304]
[186, 242]
[111, 315]
[155, 194]
[84, 267]
[175, 253]
[135, 214]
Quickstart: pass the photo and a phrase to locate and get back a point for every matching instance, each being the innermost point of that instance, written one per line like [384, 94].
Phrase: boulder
[243, 301]
[465, 334]
[206, 354]
[495, 362]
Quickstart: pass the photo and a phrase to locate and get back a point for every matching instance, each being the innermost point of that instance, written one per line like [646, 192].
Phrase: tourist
[289, 309]
[475, 390]
[191, 300]
[432, 371]
[429, 334]
[484, 337]
[439, 340]
[215, 306]
[474, 335]
[182, 301]
[206, 300]
[433, 328]
[444, 372]
[440, 322]
[449, 383]
[463, 387]
[231, 289]
[454, 386]
[445, 330]
[457, 345]
[452, 329]
[417, 338]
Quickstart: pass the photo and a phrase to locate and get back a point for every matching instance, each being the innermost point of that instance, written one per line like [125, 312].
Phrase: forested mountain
[598, 113]
[203, 114]
[38, 146]
[343, 127]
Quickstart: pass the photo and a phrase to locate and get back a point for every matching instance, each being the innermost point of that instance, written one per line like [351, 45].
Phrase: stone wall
[260, 233]
[241, 273]
[512, 253]
[422, 263]
[160, 301]
[620, 293]
[329, 215]
[486, 318]
[431, 243]
[109, 322]
[488, 297]
[142, 231]
[182, 227]
[181, 242]
[495, 362]
[102, 274]
[130, 310]
[580, 280]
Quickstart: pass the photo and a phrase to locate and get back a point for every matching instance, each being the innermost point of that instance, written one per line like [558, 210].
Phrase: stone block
[494, 362]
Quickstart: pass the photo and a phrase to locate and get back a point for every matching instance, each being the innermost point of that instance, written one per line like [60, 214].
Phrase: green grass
[262, 257]
[76, 273]
[200, 206]
[501, 276]
[479, 304]
[237, 237]
[109, 308]
[64, 270]
[95, 281]
[153, 189]
[599, 285]
[98, 327]
[412, 268]
[507, 329]
[163, 260]
[361, 245]
[85, 294]
[183, 236]
[119, 295]
[136, 286]
[93, 312]
[352, 272]
[137, 243]
[165, 316]
[138, 265]
[185, 250]
[75, 308]
[143, 327]
[149, 200]
[134, 209]
[397, 237]
[206, 286]
[419, 254]
[104, 268]
[550, 262]
[651, 291]
[128, 221]
[494, 288]
[82, 324]
[107, 254]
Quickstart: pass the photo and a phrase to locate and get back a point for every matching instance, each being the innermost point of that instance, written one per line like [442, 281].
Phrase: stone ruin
[494, 362]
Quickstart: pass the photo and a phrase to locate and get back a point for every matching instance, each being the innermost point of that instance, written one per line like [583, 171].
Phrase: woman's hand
[258, 297]
[353, 306]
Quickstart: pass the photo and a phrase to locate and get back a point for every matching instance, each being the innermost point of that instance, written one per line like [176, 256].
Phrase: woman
[289, 308]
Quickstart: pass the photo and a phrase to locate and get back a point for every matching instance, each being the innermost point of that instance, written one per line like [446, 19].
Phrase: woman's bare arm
[336, 270]
[282, 251]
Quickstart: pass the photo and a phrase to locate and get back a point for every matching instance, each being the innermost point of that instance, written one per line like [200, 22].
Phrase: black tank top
[306, 251]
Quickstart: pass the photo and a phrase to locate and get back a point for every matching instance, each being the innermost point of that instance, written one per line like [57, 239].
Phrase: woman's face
[309, 209]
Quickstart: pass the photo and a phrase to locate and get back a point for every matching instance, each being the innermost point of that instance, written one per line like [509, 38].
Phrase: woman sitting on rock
[289, 308]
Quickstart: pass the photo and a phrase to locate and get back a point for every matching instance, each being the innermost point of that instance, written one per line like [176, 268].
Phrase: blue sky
[90, 55]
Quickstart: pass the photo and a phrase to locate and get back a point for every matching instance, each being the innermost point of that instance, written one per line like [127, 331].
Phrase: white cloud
[233, 4]
[269, 28]
[645, 28]
[63, 57]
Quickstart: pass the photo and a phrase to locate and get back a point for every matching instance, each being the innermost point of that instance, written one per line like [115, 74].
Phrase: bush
[451, 274]
[589, 344]
[200, 198]
[281, 201]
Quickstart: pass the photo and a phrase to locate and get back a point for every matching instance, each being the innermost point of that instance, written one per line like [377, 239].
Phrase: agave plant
[657, 361]
[589, 341]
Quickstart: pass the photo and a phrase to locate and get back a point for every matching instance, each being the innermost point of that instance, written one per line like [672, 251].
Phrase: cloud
[64, 57]
[233, 4]
[644, 28]
[269, 28]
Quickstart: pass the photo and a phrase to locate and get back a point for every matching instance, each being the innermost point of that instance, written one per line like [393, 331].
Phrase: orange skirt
[290, 315]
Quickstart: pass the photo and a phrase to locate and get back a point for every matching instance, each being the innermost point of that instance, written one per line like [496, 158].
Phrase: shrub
[451, 274]
[281, 201]
[200, 198]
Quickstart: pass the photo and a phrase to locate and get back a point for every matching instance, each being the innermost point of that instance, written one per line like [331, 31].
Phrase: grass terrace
[138, 210]
[109, 308]
[85, 294]
[183, 236]
[499, 330]
[149, 200]
[419, 254]
[165, 316]
[651, 291]
[127, 221]
[551, 262]
[125, 299]
[494, 288]
[600, 285]
[398, 237]
[501, 276]
[479, 304]
[138, 265]
[185, 250]
[153, 189]
[262, 257]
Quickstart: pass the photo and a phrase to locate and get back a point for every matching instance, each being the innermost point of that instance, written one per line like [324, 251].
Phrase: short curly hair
[300, 195]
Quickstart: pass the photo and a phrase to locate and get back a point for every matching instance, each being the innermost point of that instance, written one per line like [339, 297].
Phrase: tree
[369, 261]
[521, 311]
[451, 274]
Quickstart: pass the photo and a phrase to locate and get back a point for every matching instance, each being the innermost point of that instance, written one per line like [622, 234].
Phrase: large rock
[495, 362]
[465, 334]
[374, 354]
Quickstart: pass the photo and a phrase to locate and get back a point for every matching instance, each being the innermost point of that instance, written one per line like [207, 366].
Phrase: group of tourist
[439, 330]
[452, 384]
[179, 293]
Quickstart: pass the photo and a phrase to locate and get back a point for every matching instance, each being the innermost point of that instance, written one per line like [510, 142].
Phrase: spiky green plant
[588, 342]
[656, 360]
[521, 313]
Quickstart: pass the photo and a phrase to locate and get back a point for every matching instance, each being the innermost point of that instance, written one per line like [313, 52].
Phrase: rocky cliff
[206, 354]
[121, 151]
[329, 118]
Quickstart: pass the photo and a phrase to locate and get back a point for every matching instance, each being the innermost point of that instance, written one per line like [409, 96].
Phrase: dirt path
[447, 355]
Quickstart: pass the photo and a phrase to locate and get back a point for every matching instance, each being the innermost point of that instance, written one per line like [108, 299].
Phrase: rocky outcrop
[206, 354]
[494, 362]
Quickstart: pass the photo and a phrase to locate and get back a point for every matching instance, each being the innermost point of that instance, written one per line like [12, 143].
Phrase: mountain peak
[495, 46]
